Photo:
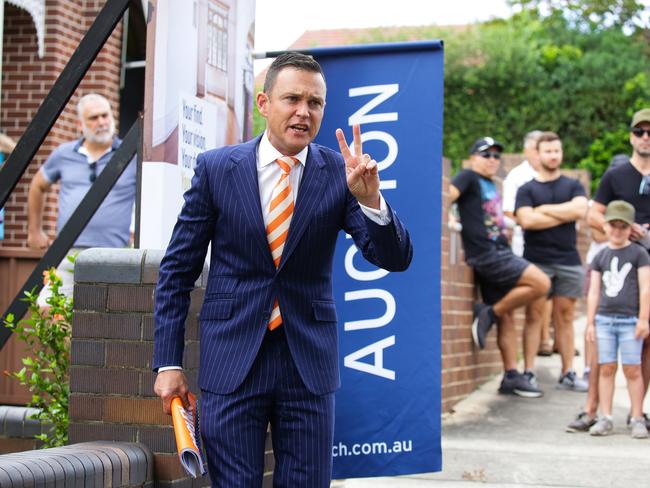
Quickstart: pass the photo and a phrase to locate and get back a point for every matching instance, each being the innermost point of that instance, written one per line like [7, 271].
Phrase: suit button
[266, 316]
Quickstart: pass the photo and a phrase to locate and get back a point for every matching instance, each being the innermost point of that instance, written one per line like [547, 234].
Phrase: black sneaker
[520, 385]
[582, 423]
[483, 321]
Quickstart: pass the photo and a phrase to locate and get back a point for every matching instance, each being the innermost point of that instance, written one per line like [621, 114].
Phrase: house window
[218, 36]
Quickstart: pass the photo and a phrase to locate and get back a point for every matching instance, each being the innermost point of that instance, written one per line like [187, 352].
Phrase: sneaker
[638, 429]
[604, 426]
[585, 377]
[646, 419]
[520, 385]
[582, 423]
[532, 390]
[483, 321]
[570, 381]
[531, 377]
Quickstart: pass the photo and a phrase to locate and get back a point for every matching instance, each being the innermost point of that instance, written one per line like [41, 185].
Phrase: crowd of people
[522, 248]
[523, 251]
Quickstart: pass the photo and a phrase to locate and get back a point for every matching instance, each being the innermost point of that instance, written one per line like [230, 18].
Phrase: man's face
[531, 154]
[293, 110]
[486, 163]
[97, 124]
[550, 155]
[641, 143]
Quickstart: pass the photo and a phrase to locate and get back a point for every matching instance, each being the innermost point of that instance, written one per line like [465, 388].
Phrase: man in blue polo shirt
[75, 166]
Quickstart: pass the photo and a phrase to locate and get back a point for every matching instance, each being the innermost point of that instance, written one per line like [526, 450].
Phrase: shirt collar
[79, 147]
[267, 154]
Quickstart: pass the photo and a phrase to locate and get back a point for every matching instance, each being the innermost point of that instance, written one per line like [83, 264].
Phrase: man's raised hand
[362, 172]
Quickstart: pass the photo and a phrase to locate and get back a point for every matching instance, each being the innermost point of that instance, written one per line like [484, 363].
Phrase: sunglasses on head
[490, 154]
[638, 131]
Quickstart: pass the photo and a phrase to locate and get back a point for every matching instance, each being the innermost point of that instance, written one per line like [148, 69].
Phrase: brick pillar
[111, 383]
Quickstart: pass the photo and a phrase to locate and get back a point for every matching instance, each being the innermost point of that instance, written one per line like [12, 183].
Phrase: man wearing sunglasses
[548, 208]
[75, 166]
[629, 182]
[507, 281]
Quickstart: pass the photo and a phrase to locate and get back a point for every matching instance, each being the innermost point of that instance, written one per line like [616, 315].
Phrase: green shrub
[46, 333]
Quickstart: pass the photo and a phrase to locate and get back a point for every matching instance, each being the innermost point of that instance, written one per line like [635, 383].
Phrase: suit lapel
[310, 192]
[245, 182]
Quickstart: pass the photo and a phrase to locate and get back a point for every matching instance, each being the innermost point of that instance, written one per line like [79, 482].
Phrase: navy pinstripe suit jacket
[222, 207]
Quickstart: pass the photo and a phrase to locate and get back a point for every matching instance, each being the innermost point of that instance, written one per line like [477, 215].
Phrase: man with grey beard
[75, 166]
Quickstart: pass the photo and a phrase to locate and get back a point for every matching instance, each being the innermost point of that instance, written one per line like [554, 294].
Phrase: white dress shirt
[268, 175]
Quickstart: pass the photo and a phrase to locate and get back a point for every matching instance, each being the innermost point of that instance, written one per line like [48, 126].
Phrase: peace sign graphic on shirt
[614, 279]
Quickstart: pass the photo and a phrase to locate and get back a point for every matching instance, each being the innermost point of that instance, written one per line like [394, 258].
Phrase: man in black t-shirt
[547, 208]
[506, 281]
[630, 182]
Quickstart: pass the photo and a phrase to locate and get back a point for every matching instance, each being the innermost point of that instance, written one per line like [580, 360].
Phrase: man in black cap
[507, 281]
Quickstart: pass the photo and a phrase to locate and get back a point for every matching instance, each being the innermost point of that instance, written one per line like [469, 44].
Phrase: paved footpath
[491, 440]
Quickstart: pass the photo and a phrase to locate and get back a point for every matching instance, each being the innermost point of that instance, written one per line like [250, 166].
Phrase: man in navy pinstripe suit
[250, 375]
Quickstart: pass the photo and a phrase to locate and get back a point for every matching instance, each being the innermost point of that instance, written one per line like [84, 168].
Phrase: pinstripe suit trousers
[301, 425]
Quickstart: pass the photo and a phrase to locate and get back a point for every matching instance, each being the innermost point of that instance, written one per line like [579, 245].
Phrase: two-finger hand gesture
[361, 171]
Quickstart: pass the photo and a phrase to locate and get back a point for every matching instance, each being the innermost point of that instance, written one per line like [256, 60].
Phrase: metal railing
[35, 134]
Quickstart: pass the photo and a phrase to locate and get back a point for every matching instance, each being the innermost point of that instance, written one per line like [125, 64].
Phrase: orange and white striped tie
[279, 218]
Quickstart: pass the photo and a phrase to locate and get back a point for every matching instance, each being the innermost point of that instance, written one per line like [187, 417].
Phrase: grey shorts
[497, 272]
[566, 281]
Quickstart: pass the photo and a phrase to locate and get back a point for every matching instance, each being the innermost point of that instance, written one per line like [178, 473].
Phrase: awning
[36, 9]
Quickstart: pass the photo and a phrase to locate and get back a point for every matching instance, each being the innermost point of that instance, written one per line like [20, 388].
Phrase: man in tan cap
[629, 182]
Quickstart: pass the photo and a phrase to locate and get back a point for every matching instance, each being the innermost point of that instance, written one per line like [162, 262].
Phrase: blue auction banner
[388, 409]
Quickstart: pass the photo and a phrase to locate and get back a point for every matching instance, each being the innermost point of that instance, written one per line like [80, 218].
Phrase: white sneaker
[638, 429]
[604, 426]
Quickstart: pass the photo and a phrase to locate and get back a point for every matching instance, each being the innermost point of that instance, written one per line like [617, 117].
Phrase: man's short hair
[548, 137]
[532, 137]
[290, 60]
[91, 97]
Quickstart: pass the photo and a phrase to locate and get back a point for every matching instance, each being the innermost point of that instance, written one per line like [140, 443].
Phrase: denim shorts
[616, 332]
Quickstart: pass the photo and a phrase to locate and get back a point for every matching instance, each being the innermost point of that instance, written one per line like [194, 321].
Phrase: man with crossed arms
[271, 209]
[547, 208]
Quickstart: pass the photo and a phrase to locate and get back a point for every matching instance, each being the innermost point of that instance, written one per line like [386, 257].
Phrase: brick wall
[26, 80]
[17, 429]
